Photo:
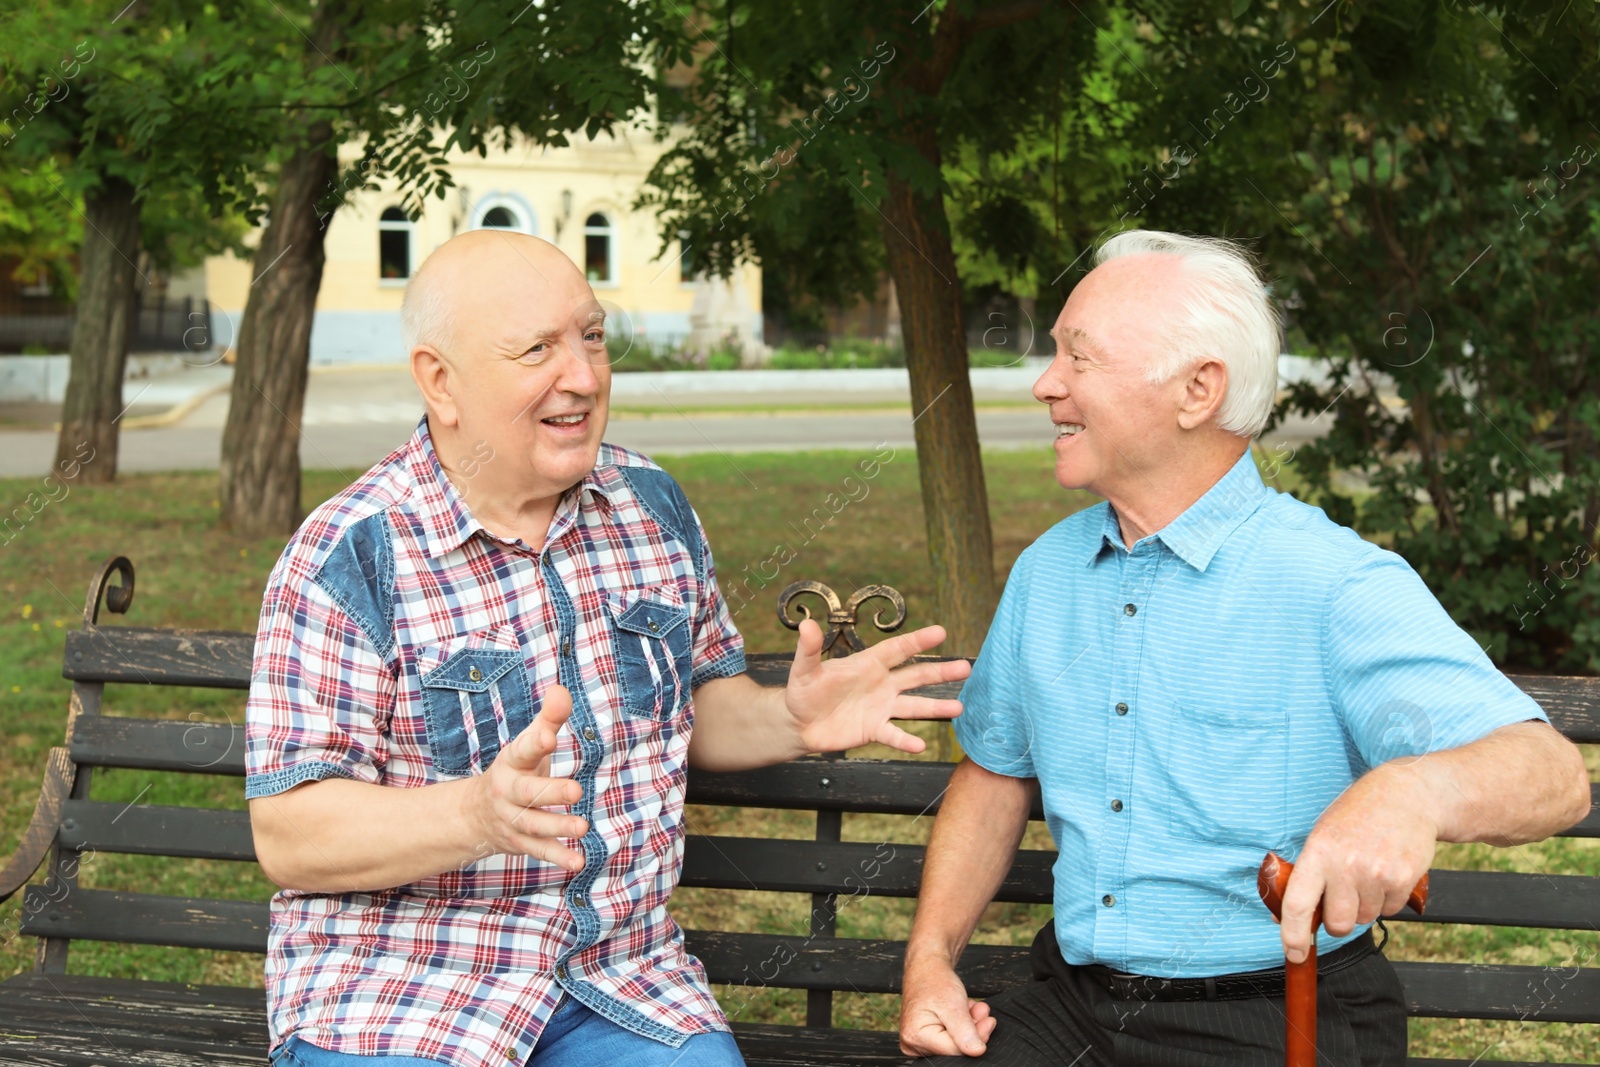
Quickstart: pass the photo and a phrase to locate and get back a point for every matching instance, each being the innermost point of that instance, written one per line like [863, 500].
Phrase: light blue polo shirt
[1191, 703]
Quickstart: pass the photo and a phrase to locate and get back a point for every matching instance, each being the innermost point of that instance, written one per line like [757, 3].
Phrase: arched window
[688, 265]
[599, 250]
[394, 245]
[498, 211]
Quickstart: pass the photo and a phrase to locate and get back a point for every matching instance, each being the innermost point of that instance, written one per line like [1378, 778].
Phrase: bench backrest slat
[891, 787]
[158, 745]
[146, 919]
[213, 659]
[844, 868]
[1567, 994]
[222, 658]
[157, 830]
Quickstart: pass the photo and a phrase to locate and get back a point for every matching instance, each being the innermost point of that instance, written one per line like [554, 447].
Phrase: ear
[433, 375]
[1203, 393]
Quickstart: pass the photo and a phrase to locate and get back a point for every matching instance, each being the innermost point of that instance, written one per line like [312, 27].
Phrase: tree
[388, 78]
[96, 111]
[1416, 178]
[829, 127]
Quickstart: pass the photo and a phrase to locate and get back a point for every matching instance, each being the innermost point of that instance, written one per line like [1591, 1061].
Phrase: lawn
[192, 574]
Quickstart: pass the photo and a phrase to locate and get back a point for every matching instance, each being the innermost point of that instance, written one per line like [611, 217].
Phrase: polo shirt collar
[1196, 534]
[447, 522]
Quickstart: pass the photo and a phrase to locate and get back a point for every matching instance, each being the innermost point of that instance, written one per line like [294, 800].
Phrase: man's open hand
[843, 703]
[507, 808]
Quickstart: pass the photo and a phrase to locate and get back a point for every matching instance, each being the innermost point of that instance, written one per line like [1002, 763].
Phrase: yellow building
[577, 197]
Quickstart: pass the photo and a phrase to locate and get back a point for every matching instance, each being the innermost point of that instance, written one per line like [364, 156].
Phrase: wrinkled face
[1113, 426]
[530, 341]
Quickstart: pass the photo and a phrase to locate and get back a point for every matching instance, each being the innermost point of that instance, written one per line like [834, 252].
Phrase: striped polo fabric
[1197, 700]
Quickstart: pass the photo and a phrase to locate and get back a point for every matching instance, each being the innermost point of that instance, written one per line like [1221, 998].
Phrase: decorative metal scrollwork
[839, 634]
[118, 597]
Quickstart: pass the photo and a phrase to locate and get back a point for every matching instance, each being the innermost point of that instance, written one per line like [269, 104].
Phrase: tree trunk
[260, 491]
[101, 332]
[955, 501]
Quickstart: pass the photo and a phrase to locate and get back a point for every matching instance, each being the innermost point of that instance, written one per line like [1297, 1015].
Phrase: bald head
[485, 278]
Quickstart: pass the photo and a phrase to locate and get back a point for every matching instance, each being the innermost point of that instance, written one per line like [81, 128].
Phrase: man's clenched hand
[936, 1016]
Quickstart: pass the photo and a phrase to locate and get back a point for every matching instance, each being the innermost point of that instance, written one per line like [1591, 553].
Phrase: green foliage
[1422, 178]
[841, 352]
[641, 354]
[797, 120]
[37, 229]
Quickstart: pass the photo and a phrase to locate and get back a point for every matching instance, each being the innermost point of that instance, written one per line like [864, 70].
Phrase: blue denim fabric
[574, 1037]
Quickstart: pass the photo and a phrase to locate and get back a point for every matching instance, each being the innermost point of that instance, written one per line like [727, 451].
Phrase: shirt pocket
[651, 640]
[1226, 772]
[475, 700]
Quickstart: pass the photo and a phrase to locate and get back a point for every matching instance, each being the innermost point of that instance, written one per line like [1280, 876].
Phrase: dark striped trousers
[1065, 1018]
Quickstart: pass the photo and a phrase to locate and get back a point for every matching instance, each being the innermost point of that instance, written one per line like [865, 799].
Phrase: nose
[1052, 384]
[578, 375]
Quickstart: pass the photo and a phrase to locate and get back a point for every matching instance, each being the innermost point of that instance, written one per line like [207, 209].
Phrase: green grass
[192, 574]
[629, 409]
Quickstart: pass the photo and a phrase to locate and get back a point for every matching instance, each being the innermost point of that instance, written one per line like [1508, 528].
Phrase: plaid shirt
[402, 644]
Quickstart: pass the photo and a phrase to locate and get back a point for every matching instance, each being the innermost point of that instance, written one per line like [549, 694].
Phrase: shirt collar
[1196, 534]
[447, 522]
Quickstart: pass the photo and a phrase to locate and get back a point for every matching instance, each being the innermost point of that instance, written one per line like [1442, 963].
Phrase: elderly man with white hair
[1192, 673]
[481, 674]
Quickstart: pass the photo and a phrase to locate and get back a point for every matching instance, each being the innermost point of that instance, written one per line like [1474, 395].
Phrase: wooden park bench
[50, 1016]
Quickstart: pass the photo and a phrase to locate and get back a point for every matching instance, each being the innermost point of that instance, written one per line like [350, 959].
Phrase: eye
[595, 335]
[536, 354]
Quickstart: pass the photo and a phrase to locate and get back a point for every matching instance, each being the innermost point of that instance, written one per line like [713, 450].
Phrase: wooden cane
[1300, 979]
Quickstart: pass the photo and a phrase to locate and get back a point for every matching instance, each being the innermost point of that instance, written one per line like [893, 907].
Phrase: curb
[172, 416]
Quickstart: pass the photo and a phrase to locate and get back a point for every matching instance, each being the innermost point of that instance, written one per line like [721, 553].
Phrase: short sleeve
[993, 728]
[320, 695]
[1404, 678]
[718, 645]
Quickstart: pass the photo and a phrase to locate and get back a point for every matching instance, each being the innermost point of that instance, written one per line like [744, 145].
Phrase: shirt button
[561, 970]
[1108, 900]
[1129, 609]
[654, 627]
[577, 901]
[1122, 709]
[588, 733]
[566, 648]
[1116, 805]
[511, 1053]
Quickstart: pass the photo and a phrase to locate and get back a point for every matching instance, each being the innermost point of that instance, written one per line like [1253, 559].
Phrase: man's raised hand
[848, 702]
[506, 809]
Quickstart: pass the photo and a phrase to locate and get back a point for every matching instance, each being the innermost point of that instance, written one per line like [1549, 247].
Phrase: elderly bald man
[481, 673]
[1194, 672]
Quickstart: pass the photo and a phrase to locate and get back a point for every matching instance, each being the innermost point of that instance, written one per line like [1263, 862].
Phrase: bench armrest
[42, 829]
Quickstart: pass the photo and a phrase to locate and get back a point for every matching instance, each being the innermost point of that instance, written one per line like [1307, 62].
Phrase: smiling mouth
[1068, 429]
[566, 420]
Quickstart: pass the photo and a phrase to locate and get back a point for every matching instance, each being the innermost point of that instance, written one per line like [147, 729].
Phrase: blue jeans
[574, 1037]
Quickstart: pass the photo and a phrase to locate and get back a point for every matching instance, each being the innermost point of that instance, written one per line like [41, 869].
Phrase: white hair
[426, 317]
[1226, 314]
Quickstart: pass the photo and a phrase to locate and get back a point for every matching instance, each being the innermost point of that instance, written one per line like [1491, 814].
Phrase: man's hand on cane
[1368, 855]
[1363, 857]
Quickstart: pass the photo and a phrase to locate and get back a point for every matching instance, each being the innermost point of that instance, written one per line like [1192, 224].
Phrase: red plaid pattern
[467, 966]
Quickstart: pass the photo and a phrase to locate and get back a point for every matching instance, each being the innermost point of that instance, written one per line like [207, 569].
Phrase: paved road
[353, 418]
